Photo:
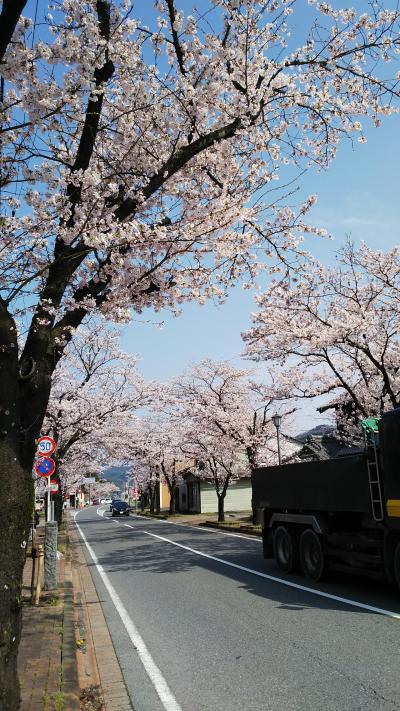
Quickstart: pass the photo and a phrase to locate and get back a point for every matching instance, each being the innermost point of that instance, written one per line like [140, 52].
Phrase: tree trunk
[221, 509]
[58, 507]
[172, 507]
[158, 485]
[152, 498]
[58, 496]
[16, 503]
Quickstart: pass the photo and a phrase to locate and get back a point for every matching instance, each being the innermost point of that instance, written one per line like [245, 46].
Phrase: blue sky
[357, 197]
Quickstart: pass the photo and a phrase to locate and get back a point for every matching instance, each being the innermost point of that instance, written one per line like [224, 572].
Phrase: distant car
[105, 501]
[120, 508]
[95, 502]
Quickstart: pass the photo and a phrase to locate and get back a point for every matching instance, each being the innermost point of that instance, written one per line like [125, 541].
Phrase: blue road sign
[44, 466]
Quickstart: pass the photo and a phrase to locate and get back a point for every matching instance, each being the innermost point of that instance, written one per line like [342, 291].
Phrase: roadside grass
[60, 701]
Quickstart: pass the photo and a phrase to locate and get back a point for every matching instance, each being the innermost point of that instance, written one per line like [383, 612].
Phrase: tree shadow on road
[132, 549]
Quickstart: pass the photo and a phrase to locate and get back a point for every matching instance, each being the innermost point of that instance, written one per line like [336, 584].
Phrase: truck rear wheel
[312, 556]
[396, 564]
[286, 549]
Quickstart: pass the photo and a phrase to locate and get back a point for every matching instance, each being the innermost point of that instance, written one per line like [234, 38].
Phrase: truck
[338, 514]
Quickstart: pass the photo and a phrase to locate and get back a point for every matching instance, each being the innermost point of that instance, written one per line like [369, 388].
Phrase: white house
[199, 496]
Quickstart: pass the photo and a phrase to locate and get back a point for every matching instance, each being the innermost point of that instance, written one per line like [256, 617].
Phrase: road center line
[166, 697]
[202, 528]
[304, 588]
[282, 581]
[198, 529]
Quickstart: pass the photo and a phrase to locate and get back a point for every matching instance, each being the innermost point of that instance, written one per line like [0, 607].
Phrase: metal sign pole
[48, 500]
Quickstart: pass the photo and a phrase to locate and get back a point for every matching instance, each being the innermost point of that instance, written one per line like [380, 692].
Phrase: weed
[59, 701]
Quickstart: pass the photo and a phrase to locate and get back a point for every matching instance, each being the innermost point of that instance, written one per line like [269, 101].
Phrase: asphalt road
[198, 633]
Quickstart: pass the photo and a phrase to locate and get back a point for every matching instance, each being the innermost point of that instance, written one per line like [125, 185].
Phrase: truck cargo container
[336, 514]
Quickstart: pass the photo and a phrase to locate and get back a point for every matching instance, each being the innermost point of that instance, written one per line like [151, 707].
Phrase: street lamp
[276, 419]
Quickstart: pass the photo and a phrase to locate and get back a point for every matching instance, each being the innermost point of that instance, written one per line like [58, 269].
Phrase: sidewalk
[46, 659]
[66, 659]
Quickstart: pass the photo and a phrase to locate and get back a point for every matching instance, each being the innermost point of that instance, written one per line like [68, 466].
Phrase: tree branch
[10, 13]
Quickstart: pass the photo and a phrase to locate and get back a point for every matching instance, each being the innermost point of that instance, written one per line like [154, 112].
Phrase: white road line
[167, 699]
[201, 528]
[304, 588]
[282, 581]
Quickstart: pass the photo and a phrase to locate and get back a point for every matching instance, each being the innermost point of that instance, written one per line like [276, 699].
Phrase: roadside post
[45, 466]
[39, 574]
[34, 558]
[50, 556]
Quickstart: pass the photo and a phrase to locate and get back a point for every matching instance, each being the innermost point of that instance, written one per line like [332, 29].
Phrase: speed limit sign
[45, 446]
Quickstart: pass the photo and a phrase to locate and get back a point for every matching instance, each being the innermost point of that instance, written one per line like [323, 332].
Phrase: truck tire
[312, 556]
[396, 564]
[286, 549]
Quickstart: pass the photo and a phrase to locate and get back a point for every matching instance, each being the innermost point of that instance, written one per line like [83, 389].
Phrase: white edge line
[288, 583]
[304, 588]
[166, 697]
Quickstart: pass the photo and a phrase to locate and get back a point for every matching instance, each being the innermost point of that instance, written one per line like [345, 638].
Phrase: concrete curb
[70, 682]
[98, 667]
[231, 529]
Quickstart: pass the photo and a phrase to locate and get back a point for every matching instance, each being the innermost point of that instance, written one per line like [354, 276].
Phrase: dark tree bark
[58, 505]
[172, 507]
[16, 502]
[152, 498]
[9, 16]
[158, 493]
[221, 507]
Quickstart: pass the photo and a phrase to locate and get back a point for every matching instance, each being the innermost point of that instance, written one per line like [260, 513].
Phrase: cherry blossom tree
[341, 324]
[218, 463]
[136, 168]
[156, 449]
[103, 489]
[227, 420]
[146, 477]
[96, 390]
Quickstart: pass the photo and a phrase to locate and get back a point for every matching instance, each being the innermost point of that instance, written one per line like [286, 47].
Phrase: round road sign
[45, 446]
[44, 466]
